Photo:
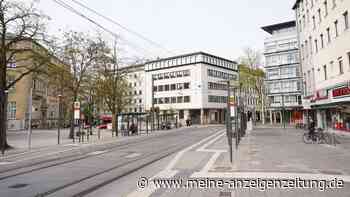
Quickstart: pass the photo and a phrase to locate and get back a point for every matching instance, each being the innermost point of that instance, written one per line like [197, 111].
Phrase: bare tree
[22, 27]
[112, 86]
[251, 58]
[81, 52]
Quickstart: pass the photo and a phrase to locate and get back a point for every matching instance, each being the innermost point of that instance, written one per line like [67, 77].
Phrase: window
[11, 110]
[316, 45]
[166, 76]
[187, 99]
[160, 76]
[140, 100]
[341, 69]
[180, 86]
[173, 87]
[322, 42]
[179, 99]
[346, 20]
[310, 41]
[155, 88]
[179, 74]
[334, 3]
[161, 100]
[329, 35]
[172, 75]
[186, 73]
[186, 85]
[166, 88]
[166, 100]
[181, 114]
[173, 99]
[140, 92]
[319, 15]
[314, 22]
[325, 7]
[325, 72]
[160, 88]
[336, 28]
[300, 28]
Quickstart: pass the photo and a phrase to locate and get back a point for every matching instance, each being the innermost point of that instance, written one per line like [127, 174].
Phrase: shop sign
[344, 91]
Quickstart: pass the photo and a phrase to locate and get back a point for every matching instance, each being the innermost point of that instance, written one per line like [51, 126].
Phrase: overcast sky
[220, 27]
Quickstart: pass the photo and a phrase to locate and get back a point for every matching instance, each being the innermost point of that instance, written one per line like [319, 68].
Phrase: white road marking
[168, 172]
[6, 163]
[133, 155]
[269, 175]
[97, 152]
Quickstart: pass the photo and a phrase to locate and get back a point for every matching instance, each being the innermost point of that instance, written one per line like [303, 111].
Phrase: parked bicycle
[319, 137]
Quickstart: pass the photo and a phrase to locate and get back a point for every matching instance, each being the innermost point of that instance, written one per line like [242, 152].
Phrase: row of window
[284, 86]
[217, 99]
[175, 74]
[281, 59]
[217, 86]
[134, 101]
[171, 87]
[140, 109]
[305, 18]
[283, 72]
[314, 45]
[134, 93]
[134, 84]
[326, 71]
[286, 99]
[221, 75]
[274, 46]
[172, 100]
[191, 60]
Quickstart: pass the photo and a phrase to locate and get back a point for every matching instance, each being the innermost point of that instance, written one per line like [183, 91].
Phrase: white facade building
[192, 85]
[324, 37]
[283, 78]
[137, 95]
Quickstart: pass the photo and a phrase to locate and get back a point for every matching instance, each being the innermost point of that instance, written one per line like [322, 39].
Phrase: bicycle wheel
[327, 138]
[307, 138]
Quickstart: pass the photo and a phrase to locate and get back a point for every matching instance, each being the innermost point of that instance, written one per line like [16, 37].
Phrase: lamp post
[59, 118]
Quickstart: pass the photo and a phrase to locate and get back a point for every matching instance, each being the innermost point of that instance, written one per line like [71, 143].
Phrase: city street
[85, 169]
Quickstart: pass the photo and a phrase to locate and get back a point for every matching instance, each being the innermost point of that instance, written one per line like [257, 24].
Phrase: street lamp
[59, 118]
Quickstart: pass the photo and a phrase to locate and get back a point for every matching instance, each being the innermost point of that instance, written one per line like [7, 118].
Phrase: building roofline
[189, 54]
[296, 4]
[270, 28]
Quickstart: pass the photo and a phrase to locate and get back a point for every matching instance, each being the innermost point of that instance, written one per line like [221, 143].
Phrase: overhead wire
[72, 9]
[122, 26]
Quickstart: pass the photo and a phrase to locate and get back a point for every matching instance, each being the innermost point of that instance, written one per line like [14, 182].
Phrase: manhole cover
[225, 194]
[18, 185]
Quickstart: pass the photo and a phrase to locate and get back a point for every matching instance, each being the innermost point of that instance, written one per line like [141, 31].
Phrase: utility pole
[152, 126]
[228, 121]
[116, 72]
[30, 110]
[283, 114]
[59, 118]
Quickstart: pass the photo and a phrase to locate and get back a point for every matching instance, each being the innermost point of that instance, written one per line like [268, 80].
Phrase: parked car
[102, 126]
[166, 125]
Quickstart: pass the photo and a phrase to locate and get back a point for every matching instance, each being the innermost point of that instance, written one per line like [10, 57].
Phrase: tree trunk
[72, 123]
[114, 124]
[3, 119]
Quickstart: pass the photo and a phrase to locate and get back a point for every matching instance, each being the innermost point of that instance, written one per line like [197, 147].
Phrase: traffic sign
[77, 110]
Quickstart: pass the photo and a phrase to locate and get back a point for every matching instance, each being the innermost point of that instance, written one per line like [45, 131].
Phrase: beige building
[45, 96]
[324, 37]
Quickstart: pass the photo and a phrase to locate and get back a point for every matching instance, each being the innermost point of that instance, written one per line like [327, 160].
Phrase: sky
[219, 27]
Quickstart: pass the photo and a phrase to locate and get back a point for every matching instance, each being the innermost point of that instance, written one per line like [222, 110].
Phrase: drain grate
[18, 185]
[225, 194]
